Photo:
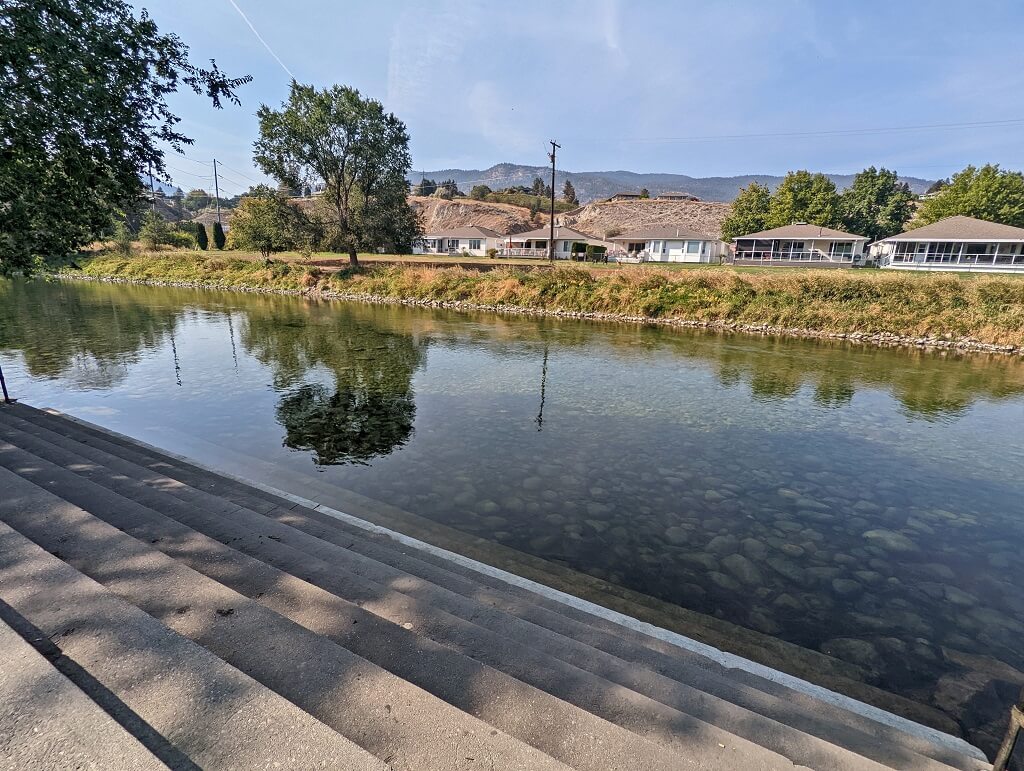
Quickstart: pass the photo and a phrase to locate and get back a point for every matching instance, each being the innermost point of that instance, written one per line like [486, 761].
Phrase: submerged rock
[890, 540]
[743, 569]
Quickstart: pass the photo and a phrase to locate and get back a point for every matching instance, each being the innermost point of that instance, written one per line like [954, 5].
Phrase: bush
[122, 239]
[202, 240]
[155, 232]
[218, 236]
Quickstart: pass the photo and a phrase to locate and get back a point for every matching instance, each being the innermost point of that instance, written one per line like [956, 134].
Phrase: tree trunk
[353, 258]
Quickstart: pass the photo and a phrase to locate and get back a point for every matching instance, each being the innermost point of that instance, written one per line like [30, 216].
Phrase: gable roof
[470, 231]
[675, 195]
[963, 228]
[561, 233]
[663, 232]
[804, 232]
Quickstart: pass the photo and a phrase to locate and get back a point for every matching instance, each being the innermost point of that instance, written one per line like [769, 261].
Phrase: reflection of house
[473, 240]
[799, 245]
[668, 244]
[956, 243]
[534, 243]
[674, 196]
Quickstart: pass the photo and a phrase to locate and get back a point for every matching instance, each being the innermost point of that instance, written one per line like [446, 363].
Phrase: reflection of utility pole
[177, 366]
[539, 420]
[551, 240]
[231, 331]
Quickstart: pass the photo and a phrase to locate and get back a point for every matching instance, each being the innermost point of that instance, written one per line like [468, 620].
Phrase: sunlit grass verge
[987, 309]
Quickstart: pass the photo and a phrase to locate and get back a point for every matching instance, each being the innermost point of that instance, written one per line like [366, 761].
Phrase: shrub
[202, 240]
[218, 236]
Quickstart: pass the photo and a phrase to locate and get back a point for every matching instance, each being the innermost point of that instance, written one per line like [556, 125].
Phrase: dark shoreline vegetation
[942, 310]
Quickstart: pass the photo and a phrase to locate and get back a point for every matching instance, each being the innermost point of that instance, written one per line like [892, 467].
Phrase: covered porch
[758, 250]
[963, 255]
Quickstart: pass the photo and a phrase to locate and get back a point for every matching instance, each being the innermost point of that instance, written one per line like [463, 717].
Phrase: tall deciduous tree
[876, 204]
[805, 197]
[358, 151]
[988, 193]
[83, 112]
[749, 212]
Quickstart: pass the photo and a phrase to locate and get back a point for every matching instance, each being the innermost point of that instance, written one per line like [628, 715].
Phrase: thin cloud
[260, 38]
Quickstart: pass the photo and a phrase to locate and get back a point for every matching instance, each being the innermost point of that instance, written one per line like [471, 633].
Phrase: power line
[835, 132]
[236, 171]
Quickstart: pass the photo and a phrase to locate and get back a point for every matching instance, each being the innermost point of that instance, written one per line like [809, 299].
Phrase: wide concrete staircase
[189, 620]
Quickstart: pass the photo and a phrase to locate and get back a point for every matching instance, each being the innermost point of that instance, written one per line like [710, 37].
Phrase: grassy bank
[988, 309]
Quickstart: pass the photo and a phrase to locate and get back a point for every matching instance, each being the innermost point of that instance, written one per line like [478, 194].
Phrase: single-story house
[668, 244]
[534, 243]
[956, 243]
[799, 244]
[474, 240]
[626, 197]
[676, 196]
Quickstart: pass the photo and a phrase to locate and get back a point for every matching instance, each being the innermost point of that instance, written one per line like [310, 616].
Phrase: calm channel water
[864, 502]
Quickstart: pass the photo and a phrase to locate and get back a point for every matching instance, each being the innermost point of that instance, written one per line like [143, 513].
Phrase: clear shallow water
[864, 502]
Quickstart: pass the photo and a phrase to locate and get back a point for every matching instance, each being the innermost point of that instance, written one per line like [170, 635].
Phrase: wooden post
[3, 387]
[1012, 734]
[551, 232]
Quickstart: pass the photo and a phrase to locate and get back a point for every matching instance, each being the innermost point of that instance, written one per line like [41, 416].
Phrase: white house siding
[680, 251]
[434, 245]
[954, 255]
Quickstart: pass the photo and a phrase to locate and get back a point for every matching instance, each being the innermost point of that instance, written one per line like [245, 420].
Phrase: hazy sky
[645, 85]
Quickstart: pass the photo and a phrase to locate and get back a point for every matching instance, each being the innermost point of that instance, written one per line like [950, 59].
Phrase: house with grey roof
[667, 244]
[800, 245]
[674, 195]
[534, 243]
[956, 243]
[473, 240]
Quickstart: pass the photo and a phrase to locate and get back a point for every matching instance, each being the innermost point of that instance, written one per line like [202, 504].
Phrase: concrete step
[600, 647]
[581, 739]
[46, 721]
[389, 717]
[529, 663]
[184, 705]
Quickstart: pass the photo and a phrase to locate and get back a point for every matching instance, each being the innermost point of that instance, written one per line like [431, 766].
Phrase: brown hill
[604, 219]
[440, 214]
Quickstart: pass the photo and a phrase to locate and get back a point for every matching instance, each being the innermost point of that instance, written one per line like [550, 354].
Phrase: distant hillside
[597, 185]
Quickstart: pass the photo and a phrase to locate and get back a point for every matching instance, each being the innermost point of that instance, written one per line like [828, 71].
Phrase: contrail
[260, 38]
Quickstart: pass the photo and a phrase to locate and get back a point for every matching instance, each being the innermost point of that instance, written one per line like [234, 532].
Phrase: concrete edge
[725, 659]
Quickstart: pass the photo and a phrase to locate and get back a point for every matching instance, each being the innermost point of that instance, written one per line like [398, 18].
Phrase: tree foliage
[83, 112]
[569, 193]
[645, 193]
[219, 239]
[425, 187]
[358, 151]
[749, 212]
[265, 222]
[196, 199]
[988, 193]
[876, 204]
[202, 239]
[805, 197]
[479, 192]
[155, 232]
[538, 186]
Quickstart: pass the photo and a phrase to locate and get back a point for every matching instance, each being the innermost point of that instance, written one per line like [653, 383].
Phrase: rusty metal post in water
[1012, 734]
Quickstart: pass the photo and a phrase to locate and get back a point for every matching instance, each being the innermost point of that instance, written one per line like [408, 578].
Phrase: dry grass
[985, 308]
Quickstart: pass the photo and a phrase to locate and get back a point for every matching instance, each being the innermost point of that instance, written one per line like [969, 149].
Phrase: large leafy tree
[749, 212]
[988, 193]
[358, 151]
[805, 197]
[876, 204]
[265, 222]
[83, 112]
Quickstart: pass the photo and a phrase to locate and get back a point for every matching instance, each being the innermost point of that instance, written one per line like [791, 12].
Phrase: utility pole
[551, 240]
[216, 190]
[152, 190]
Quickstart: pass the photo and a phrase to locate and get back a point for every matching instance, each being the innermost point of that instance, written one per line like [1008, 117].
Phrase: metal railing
[772, 256]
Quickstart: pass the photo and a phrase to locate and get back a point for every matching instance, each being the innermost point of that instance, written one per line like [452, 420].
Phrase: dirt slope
[439, 214]
[597, 219]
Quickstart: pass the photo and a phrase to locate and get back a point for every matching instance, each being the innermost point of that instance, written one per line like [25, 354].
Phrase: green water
[864, 502]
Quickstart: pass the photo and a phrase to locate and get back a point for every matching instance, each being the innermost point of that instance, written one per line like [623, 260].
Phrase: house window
[565, 246]
[841, 249]
[453, 243]
[693, 247]
[474, 243]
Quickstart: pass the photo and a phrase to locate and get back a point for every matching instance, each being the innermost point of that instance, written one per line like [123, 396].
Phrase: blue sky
[638, 85]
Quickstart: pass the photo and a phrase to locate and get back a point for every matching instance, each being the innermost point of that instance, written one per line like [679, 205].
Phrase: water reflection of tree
[369, 411]
[87, 334]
